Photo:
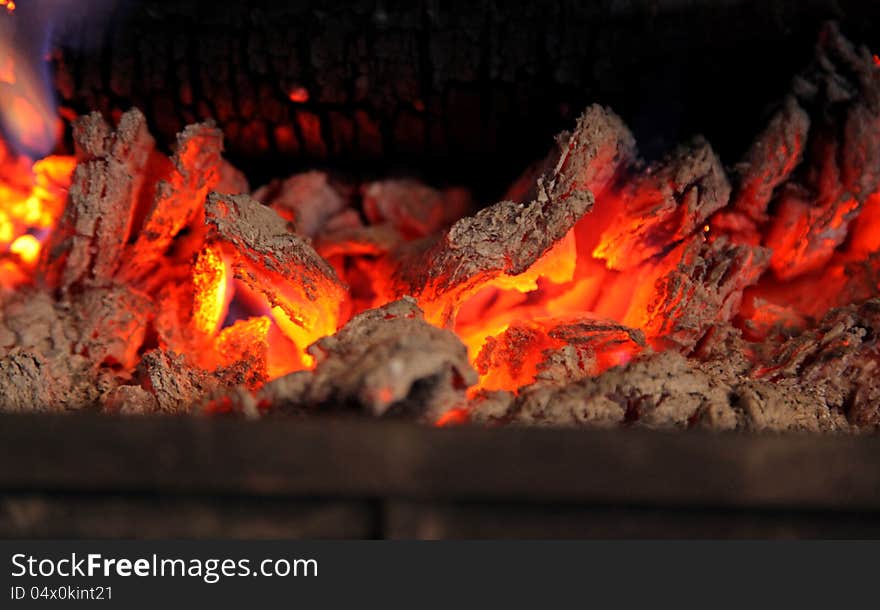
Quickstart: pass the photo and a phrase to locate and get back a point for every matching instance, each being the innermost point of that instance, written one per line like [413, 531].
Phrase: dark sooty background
[457, 91]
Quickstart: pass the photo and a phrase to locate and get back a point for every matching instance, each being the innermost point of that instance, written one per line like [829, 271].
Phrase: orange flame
[31, 201]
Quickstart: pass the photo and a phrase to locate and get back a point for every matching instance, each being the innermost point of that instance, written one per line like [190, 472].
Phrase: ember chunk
[770, 160]
[110, 324]
[413, 209]
[31, 381]
[842, 93]
[105, 324]
[590, 346]
[243, 350]
[661, 390]
[31, 320]
[178, 199]
[306, 200]
[786, 407]
[554, 350]
[666, 204]
[178, 385]
[385, 361]
[301, 286]
[511, 359]
[839, 358]
[130, 400]
[95, 226]
[705, 289]
[805, 232]
[507, 238]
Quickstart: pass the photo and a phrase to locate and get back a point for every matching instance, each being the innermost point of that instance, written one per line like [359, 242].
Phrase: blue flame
[28, 108]
[28, 111]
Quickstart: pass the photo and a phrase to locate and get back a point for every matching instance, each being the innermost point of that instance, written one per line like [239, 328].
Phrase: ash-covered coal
[387, 360]
[604, 291]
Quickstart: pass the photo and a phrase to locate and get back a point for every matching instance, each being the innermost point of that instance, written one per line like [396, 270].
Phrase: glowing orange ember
[9, 5]
[650, 261]
[210, 280]
[453, 417]
[32, 198]
[243, 337]
[510, 324]
[26, 247]
[303, 333]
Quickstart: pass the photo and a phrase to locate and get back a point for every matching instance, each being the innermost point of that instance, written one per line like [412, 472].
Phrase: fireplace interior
[415, 270]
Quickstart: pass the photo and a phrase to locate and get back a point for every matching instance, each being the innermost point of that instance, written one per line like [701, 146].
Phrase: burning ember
[603, 291]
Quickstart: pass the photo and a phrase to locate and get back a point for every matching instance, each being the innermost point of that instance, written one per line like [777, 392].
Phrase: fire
[210, 280]
[510, 324]
[570, 280]
[31, 201]
[652, 259]
[302, 334]
[495, 305]
[28, 117]
[27, 247]
[9, 5]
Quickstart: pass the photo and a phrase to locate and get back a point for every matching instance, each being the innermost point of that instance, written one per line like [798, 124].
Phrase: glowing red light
[298, 95]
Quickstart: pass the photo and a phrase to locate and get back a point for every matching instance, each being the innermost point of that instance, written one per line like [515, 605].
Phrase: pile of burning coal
[602, 291]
